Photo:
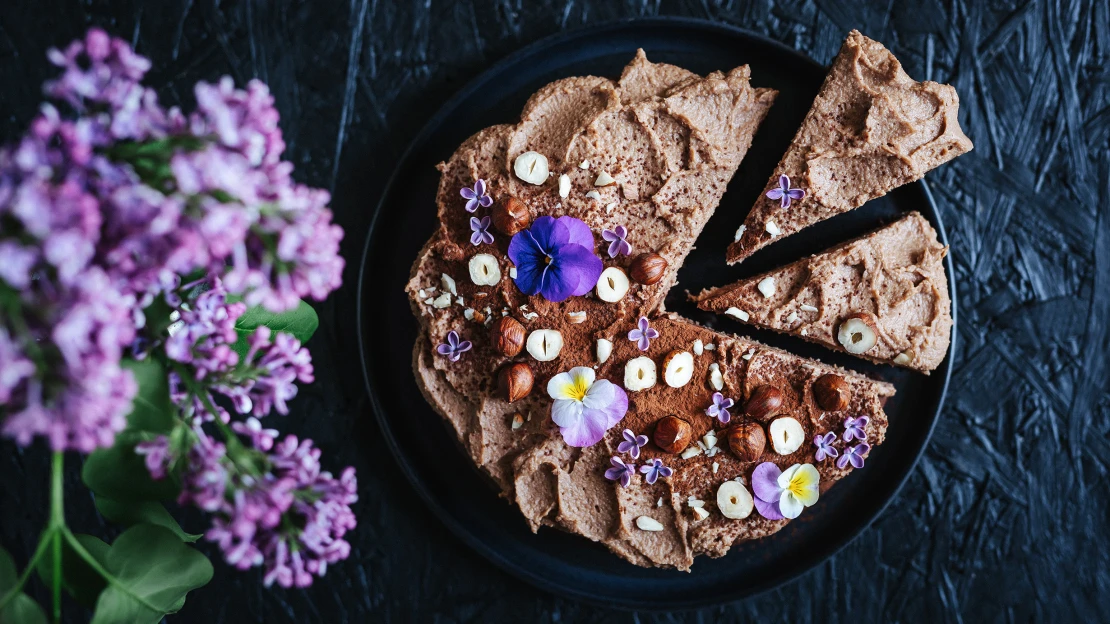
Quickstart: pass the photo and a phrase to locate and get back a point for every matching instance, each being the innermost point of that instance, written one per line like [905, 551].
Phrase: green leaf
[20, 609]
[132, 513]
[150, 572]
[118, 473]
[151, 410]
[79, 579]
[301, 321]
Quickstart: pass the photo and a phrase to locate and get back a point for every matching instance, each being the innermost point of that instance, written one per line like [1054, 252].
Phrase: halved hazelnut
[639, 374]
[612, 286]
[672, 434]
[734, 501]
[545, 344]
[531, 167]
[485, 270]
[678, 368]
[858, 332]
[787, 435]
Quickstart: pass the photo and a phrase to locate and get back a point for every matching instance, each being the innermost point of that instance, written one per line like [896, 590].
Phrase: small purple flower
[618, 246]
[784, 192]
[555, 258]
[480, 231]
[853, 455]
[824, 446]
[621, 471]
[477, 196]
[643, 334]
[854, 428]
[719, 408]
[632, 443]
[155, 454]
[261, 439]
[454, 348]
[654, 470]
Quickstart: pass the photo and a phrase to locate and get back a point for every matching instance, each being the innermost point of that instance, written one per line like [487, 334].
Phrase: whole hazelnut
[507, 336]
[510, 216]
[515, 381]
[831, 393]
[672, 434]
[764, 402]
[747, 440]
[648, 268]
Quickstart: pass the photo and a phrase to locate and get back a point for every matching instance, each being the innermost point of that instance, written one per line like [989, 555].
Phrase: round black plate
[447, 479]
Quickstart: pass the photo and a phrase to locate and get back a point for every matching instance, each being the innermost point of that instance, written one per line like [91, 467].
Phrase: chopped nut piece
[604, 179]
[448, 283]
[585, 164]
[807, 308]
[710, 346]
[512, 273]
[699, 514]
[610, 206]
[442, 301]
[739, 233]
[594, 195]
[576, 317]
[647, 523]
[468, 314]
[766, 286]
[716, 379]
[604, 349]
[715, 467]
[690, 451]
[737, 313]
[564, 186]
[792, 317]
[518, 421]
[772, 228]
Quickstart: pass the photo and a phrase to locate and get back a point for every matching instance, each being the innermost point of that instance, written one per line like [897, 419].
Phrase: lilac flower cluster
[262, 381]
[279, 511]
[109, 199]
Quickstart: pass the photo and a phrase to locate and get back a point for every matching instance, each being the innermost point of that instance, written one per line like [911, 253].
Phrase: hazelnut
[515, 381]
[747, 440]
[831, 393]
[510, 216]
[648, 268]
[858, 332]
[764, 402]
[672, 434]
[507, 336]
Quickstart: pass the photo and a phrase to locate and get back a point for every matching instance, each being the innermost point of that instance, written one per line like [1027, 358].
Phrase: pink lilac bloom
[655, 469]
[621, 471]
[632, 443]
[14, 366]
[719, 408]
[476, 196]
[643, 334]
[853, 455]
[854, 428]
[785, 193]
[824, 444]
[156, 455]
[618, 246]
[480, 231]
[251, 428]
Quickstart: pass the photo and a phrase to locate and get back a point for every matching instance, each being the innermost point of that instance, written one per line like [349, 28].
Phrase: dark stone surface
[1004, 519]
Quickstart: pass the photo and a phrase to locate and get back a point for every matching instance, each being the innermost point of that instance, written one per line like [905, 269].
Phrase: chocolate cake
[544, 344]
[882, 297]
[870, 130]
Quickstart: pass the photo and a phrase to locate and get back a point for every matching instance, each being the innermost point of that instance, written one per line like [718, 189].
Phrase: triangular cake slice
[670, 140]
[882, 297]
[870, 130]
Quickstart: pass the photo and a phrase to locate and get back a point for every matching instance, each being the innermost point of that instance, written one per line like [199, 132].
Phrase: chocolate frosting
[871, 129]
[895, 273]
[672, 140]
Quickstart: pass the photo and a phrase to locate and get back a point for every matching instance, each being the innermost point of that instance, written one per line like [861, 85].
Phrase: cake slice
[870, 130]
[882, 297]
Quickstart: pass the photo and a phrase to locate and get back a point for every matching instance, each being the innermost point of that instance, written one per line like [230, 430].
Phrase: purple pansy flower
[784, 192]
[632, 443]
[618, 246]
[853, 455]
[655, 469]
[719, 408]
[853, 428]
[643, 334]
[480, 231]
[454, 347]
[555, 258]
[620, 471]
[585, 407]
[824, 446]
[477, 196]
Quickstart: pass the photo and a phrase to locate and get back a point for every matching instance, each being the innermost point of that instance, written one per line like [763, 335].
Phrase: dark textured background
[1005, 518]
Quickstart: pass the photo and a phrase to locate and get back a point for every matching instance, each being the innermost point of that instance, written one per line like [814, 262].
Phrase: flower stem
[57, 525]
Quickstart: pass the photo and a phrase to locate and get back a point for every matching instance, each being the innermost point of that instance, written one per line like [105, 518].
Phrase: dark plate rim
[522, 571]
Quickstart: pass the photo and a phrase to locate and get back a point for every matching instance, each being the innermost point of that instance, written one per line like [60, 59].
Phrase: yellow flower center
[797, 485]
[578, 388]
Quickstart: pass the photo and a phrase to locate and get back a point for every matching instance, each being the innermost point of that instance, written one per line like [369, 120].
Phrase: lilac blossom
[480, 231]
[854, 428]
[555, 258]
[156, 455]
[632, 443]
[785, 193]
[853, 455]
[261, 439]
[454, 347]
[618, 246]
[719, 408]
[655, 469]
[477, 196]
[824, 444]
[643, 334]
[620, 471]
